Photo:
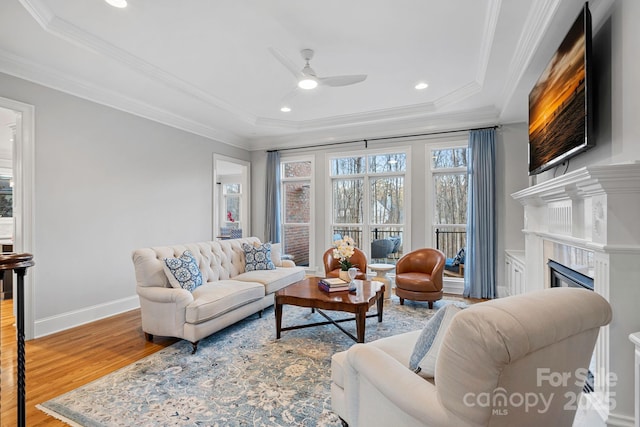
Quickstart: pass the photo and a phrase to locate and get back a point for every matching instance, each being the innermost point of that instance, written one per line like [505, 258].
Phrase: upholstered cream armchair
[493, 355]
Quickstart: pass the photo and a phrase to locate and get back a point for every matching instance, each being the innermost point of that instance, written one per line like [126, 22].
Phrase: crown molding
[69, 32]
[479, 117]
[22, 68]
[535, 27]
[490, 24]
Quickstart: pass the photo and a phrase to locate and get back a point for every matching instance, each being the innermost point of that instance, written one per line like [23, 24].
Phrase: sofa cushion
[214, 299]
[425, 353]
[258, 257]
[273, 280]
[183, 271]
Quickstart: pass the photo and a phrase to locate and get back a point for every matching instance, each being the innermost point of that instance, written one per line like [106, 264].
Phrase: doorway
[231, 196]
[21, 164]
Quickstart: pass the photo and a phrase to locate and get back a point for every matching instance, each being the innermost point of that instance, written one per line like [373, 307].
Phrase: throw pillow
[425, 353]
[276, 251]
[183, 272]
[258, 257]
[459, 258]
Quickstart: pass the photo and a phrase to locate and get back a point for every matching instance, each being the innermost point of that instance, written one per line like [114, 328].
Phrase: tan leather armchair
[332, 265]
[419, 276]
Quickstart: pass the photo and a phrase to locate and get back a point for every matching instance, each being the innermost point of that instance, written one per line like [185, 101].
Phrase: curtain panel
[480, 268]
[272, 226]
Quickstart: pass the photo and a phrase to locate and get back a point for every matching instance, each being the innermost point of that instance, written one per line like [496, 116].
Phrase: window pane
[297, 169]
[347, 166]
[451, 198]
[233, 209]
[449, 158]
[354, 232]
[232, 189]
[387, 200]
[387, 163]
[6, 197]
[347, 201]
[296, 243]
[297, 202]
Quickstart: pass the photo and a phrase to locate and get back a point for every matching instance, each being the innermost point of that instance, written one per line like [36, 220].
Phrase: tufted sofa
[227, 295]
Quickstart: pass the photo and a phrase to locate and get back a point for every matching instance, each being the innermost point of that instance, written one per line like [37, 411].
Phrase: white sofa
[493, 355]
[227, 295]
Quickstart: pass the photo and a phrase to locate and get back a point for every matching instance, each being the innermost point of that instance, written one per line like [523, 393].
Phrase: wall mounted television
[560, 103]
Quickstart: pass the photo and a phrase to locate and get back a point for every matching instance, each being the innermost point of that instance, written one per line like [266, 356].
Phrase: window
[449, 170]
[6, 196]
[232, 196]
[368, 202]
[297, 212]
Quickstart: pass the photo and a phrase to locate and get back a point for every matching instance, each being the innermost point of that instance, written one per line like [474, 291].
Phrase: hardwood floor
[64, 361]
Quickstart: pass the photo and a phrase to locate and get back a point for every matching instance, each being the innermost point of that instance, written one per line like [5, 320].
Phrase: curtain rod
[382, 138]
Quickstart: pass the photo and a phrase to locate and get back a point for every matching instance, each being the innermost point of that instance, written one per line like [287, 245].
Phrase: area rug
[240, 376]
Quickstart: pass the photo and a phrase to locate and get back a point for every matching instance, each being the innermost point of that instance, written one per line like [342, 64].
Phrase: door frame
[24, 195]
[245, 212]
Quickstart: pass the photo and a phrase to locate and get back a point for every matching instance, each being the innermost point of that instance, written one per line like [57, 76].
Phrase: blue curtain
[272, 227]
[480, 264]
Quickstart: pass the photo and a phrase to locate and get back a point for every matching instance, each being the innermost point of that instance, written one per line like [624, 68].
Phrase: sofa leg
[148, 337]
[195, 347]
[260, 314]
[401, 301]
[344, 423]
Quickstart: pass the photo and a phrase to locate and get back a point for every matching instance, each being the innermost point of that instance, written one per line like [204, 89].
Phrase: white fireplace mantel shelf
[595, 209]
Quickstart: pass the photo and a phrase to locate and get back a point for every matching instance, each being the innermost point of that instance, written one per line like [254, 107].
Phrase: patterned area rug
[240, 376]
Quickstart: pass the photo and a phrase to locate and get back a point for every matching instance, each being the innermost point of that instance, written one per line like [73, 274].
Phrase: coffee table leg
[361, 317]
[380, 307]
[278, 319]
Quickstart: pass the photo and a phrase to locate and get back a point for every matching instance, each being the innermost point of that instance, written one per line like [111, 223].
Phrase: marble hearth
[594, 212]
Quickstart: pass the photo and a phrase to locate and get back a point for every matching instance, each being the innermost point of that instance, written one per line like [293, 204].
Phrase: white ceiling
[205, 66]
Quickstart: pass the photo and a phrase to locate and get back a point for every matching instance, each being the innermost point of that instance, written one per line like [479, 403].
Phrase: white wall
[107, 182]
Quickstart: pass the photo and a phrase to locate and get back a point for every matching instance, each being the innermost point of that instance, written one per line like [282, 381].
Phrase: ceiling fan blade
[342, 80]
[288, 64]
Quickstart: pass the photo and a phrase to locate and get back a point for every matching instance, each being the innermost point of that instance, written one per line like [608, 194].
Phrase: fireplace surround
[594, 212]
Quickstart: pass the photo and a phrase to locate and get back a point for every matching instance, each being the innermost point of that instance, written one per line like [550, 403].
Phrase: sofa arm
[380, 392]
[181, 297]
[287, 263]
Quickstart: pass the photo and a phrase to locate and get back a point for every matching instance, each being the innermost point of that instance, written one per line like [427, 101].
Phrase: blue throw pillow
[258, 257]
[183, 272]
[425, 353]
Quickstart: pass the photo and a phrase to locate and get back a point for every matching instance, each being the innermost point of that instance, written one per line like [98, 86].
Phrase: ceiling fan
[307, 77]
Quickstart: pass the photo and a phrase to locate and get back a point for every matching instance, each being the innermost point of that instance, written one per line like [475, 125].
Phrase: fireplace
[595, 209]
[563, 276]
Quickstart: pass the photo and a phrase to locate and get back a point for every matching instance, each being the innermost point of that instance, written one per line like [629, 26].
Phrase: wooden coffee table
[306, 293]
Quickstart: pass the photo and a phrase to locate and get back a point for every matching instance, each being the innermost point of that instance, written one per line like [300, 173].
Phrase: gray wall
[107, 182]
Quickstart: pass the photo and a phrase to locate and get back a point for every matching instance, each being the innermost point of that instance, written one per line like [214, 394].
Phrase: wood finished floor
[64, 361]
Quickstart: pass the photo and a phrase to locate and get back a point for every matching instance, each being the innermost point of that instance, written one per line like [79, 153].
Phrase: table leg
[361, 317]
[380, 304]
[278, 319]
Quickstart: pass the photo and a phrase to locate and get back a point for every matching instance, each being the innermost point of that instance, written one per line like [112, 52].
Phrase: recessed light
[117, 3]
[421, 85]
[285, 109]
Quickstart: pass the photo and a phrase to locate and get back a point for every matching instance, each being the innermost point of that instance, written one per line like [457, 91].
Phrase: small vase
[344, 275]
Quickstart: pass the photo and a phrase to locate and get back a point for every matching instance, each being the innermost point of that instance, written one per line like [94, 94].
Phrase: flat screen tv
[560, 103]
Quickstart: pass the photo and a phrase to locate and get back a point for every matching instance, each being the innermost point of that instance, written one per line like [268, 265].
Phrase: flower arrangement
[343, 249]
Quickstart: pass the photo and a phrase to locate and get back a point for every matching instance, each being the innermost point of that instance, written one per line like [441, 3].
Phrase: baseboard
[71, 319]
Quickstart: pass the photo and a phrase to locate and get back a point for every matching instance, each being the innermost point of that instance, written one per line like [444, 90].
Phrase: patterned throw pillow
[425, 353]
[183, 272]
[258, 257]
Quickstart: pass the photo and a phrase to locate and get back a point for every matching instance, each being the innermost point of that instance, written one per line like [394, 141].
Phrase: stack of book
[333, 284]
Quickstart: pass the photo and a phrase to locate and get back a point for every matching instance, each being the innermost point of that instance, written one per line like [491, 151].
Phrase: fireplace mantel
[595, 208]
